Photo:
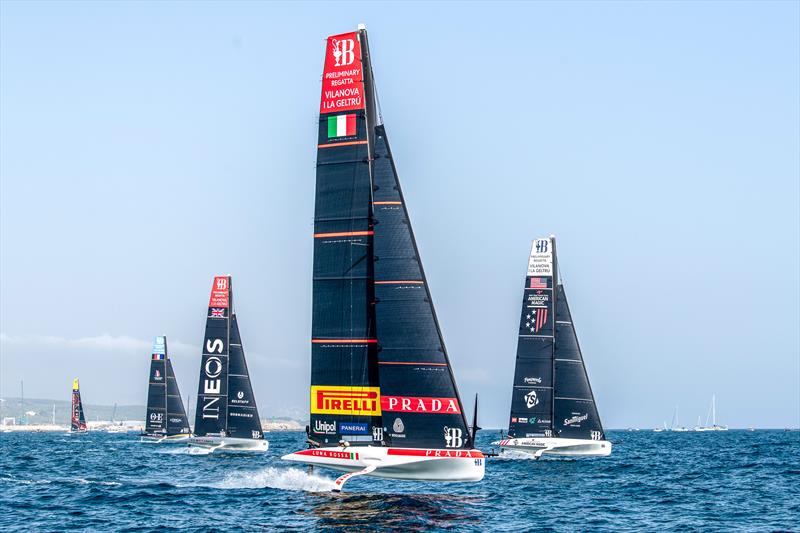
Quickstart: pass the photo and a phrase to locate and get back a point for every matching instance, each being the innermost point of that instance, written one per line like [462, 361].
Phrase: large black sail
[345, 398]
[532, 396]
[212, 392]
[243, 420]
[156, 416]
[574, 411]
[77, 420]
[419, 399]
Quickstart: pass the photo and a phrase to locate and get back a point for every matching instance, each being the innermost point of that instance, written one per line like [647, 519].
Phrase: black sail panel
[575, 412]
[420, 404]
[532, 395]
[243, 419]
[212, 391]
[177, 421]
[78, 420]
[156, 415]
[344, 395]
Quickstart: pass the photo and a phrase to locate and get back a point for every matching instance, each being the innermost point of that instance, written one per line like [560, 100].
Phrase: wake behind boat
[384, 401]
[226, 417]
[166, 419]
[553, 410]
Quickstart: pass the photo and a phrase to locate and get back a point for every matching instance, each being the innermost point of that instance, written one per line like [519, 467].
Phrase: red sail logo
[219, 292]
[343, 77]
[416, 404]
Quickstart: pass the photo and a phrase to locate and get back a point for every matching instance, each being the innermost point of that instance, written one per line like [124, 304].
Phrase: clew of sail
[78, 420]
[420, 403]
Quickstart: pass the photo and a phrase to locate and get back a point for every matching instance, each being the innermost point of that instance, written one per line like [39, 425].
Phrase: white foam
[276, 478]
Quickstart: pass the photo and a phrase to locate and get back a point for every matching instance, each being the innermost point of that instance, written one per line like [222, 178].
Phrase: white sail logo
[452, 437]
[542, 246]
[343, 51]
[211, 383]
[531, 400]
[222, 284]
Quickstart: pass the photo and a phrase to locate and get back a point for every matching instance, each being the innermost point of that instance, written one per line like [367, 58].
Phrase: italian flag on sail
[341, 126]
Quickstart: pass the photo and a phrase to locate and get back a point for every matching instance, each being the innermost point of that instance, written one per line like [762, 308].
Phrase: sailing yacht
[166, 419]
[77, 419]
[712, 416]
[676, 424]
[384, 400]
[226, 417]
[553, 411]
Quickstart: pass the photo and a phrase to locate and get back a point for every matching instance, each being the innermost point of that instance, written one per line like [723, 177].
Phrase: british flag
[217, 312]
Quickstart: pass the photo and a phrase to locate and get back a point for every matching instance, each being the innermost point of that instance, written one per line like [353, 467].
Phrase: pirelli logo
[337, 400]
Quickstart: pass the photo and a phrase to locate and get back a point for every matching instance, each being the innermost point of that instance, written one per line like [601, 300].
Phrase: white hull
[414, 464]
[229, 444]
[156, 439]
[557, 446]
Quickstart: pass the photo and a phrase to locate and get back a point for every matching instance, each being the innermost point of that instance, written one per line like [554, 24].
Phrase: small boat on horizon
[553, 410]
[712, 416]
[226, 417]
[165, 419]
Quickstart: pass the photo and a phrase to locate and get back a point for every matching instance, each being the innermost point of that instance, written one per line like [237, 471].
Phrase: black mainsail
[226, 406]
[551, 392]
[380, 374]
[77, 419]
[166, 416]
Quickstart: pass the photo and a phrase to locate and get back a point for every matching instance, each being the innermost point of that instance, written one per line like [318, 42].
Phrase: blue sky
[145, 147]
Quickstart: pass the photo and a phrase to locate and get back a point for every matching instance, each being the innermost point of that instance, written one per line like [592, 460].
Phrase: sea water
[722, 481]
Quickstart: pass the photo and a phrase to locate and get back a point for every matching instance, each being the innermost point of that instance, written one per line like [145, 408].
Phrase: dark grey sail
[345, 394]
[156, 415]
[77, 418]
[420, 403]
[574, 410]
[551, 392]
[243, 419]
[532, 395]
[211, 417]
[177, 421]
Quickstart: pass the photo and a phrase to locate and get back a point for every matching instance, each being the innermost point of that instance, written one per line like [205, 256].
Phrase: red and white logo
[418, 404]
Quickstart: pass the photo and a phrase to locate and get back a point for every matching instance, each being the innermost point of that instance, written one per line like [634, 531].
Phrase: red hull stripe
[435, 453]
[344, 341]
[344, 234]
[400, 282]
[348, 143]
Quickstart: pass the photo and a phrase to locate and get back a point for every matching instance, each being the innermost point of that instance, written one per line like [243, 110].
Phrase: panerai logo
[343, 51]
[575, 419]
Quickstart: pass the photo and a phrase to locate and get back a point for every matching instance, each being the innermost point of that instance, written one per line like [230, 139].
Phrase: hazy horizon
[145, 147]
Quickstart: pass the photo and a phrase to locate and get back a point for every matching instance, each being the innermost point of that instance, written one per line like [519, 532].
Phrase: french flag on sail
[158, 356]
[341, 126]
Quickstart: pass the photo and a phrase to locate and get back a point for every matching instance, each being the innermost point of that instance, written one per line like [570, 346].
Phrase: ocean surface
[727, 481]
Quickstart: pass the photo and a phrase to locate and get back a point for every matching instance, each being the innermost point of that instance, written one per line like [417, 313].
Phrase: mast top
[362, 26]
